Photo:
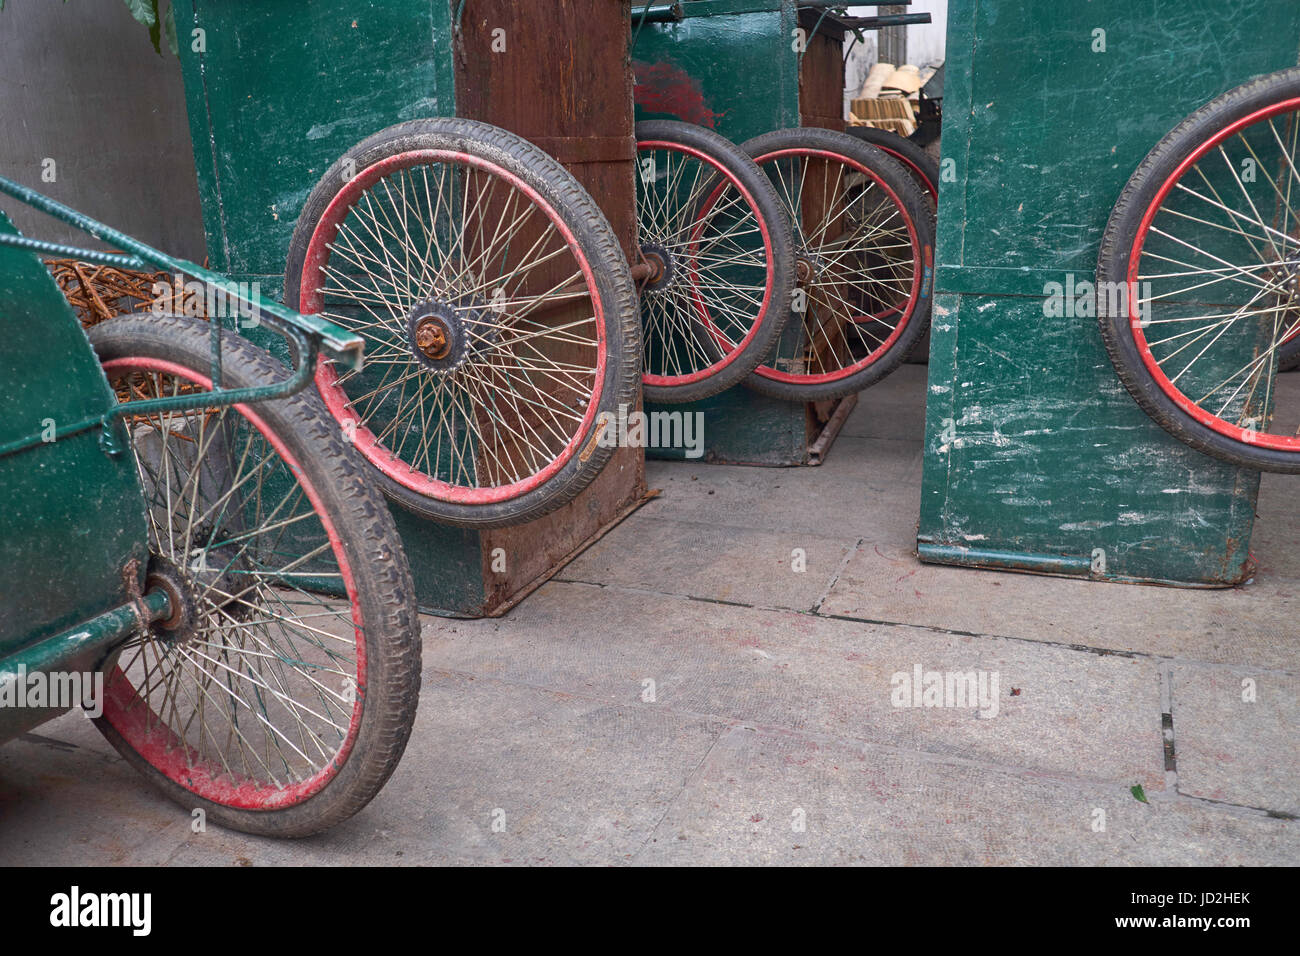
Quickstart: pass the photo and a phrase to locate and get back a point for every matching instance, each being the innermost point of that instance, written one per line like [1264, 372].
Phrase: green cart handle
[310, 334]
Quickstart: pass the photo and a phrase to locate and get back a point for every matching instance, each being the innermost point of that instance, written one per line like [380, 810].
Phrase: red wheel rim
[549, 449]
[1134, 280]
[178, 757]
[919, 257]
[697, 295]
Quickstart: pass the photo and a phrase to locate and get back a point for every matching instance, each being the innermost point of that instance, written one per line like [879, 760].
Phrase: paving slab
[494, 773]
[1235, 736]
[1229, 626]
[859, 804]
[864, 488]
[738, 565]
[1057, 710]
[893, 409]
[576, 779]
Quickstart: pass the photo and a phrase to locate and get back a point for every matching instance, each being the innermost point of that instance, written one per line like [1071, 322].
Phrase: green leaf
[144, 11]
[155, 31]
[1138, 793]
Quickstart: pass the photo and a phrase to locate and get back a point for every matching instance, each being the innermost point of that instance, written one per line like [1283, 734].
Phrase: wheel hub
[1287, 277]
[432, 337]
[210, 579]
[181, 625]
[808, 266]
[442, 335]
[662, 269]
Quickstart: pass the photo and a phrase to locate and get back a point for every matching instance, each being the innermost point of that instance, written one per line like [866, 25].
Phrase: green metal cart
[160, 495]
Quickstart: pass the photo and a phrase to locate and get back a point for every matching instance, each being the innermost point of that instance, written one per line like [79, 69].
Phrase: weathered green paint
[739, 75]
[74, 517]
[743, 428]
[1035, 456]
[284, 88]
[446, 565]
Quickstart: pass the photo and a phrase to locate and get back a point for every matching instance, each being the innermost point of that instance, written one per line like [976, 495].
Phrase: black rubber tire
[925, 171]
[771, 210]
[919, 164]
[1288, 356]
[913, 204]
[374, 552]
[602, 250]
[1116, 249]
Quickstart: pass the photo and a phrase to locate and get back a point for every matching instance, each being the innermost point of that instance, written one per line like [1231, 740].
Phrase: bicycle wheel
[864, 241]
[499, 314]
[279, 695]
[717, 239]
[1198, 276]
[920, 165]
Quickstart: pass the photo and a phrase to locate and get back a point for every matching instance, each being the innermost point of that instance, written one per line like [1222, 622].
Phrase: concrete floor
[771, 736]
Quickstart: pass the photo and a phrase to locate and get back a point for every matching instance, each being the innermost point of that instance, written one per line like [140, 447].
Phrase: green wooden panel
[283, 88]
[736, 73]
[72, 517]
[1044, 133]
[446, 565]
[744, 428]
[1035, 456]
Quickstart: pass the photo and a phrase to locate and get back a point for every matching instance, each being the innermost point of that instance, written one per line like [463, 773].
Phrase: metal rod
[341, 345]
[115, 259]
[662, 13]
[889, 20]
[96, 637]
[307, 352]
[822, 4]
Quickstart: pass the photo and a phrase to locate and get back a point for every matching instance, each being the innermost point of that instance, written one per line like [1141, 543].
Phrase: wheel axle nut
[432, 338]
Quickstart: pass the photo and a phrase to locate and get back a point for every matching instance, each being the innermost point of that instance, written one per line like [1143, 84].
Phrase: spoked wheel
[717, 241]
[498, 311]
[1199, 276]
[279, 695]
[864, 241]
[924, 171]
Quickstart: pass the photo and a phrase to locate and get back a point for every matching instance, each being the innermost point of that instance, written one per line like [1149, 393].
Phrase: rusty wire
[98, 293]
